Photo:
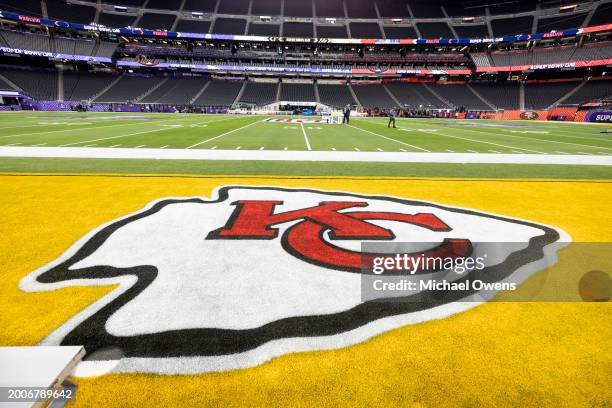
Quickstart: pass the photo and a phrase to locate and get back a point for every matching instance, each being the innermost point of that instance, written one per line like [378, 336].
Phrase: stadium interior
[254, 53]
[200, 200]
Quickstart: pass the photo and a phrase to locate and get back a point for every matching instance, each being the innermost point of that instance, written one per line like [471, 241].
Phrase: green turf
[297, 169]
[182, 131]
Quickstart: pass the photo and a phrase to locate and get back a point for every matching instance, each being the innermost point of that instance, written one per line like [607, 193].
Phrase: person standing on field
[347, 114]
[392, 116]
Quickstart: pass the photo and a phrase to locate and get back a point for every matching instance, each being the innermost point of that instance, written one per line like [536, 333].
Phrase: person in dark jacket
[347, 114]
[392, 116]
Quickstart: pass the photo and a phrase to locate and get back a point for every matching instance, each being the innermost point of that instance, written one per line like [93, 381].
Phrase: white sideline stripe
[297, 155]
[112, 137]
[389, 138]
[221, 135]
[305, 137]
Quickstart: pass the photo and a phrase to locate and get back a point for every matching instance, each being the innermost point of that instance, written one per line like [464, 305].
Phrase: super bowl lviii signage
[599, 116]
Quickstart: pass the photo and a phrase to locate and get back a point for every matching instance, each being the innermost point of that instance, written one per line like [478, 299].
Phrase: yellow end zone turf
[499, 353]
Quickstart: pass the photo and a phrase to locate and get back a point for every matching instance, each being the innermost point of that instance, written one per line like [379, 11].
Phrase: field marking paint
[213, 148]
[356, 149]
[115, 145]
[305, 137]
[238, 147]
[261, 148]
[87, 128]
[472, 151]
[221, 135]
[91, 145]
[561, 152]
[403, 150]
[516, 151]
[138, 147]
[13, 144]
[388, 138]
[334, 149]
[302, 155]
[40, 144]
[379, 149]
[482, 141]
[450, 151]
[112, 137]
[556, 141]
[487, 131]
[494, 151]
[163, 147]
[285, 148]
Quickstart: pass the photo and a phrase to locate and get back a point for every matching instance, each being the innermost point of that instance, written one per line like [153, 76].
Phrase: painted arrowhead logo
[258, 272]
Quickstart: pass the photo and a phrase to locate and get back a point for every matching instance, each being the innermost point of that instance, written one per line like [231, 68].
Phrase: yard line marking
[221, 135]
[13, 144]
[494, 151]
[112, 137]
[90, 145]
[561, 152]
[379, 149]
[115, 145]
[603, 153]
[39, 144]
[472, 151]
[388, 138]
[356, 149]
[403, 150]
[138, 147]
[582, 152]
[305, 137]
[261, 148]
[556, 141]
[481, 141]
[75, 129]
[285, 148]
[238, 148]
[334, 149]
[450, 151]
[163, 147]
[515, 151]
[213, 148]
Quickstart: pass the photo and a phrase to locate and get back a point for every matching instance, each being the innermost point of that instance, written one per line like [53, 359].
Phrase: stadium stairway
[239, 92]
[150, 90]
[105, 89]
[569, 94]
[437, 95]
[350, 87]
[200, 92]
[479, 96]
[392, 96]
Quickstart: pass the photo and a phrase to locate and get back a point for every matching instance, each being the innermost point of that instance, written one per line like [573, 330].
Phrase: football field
[230, 132]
